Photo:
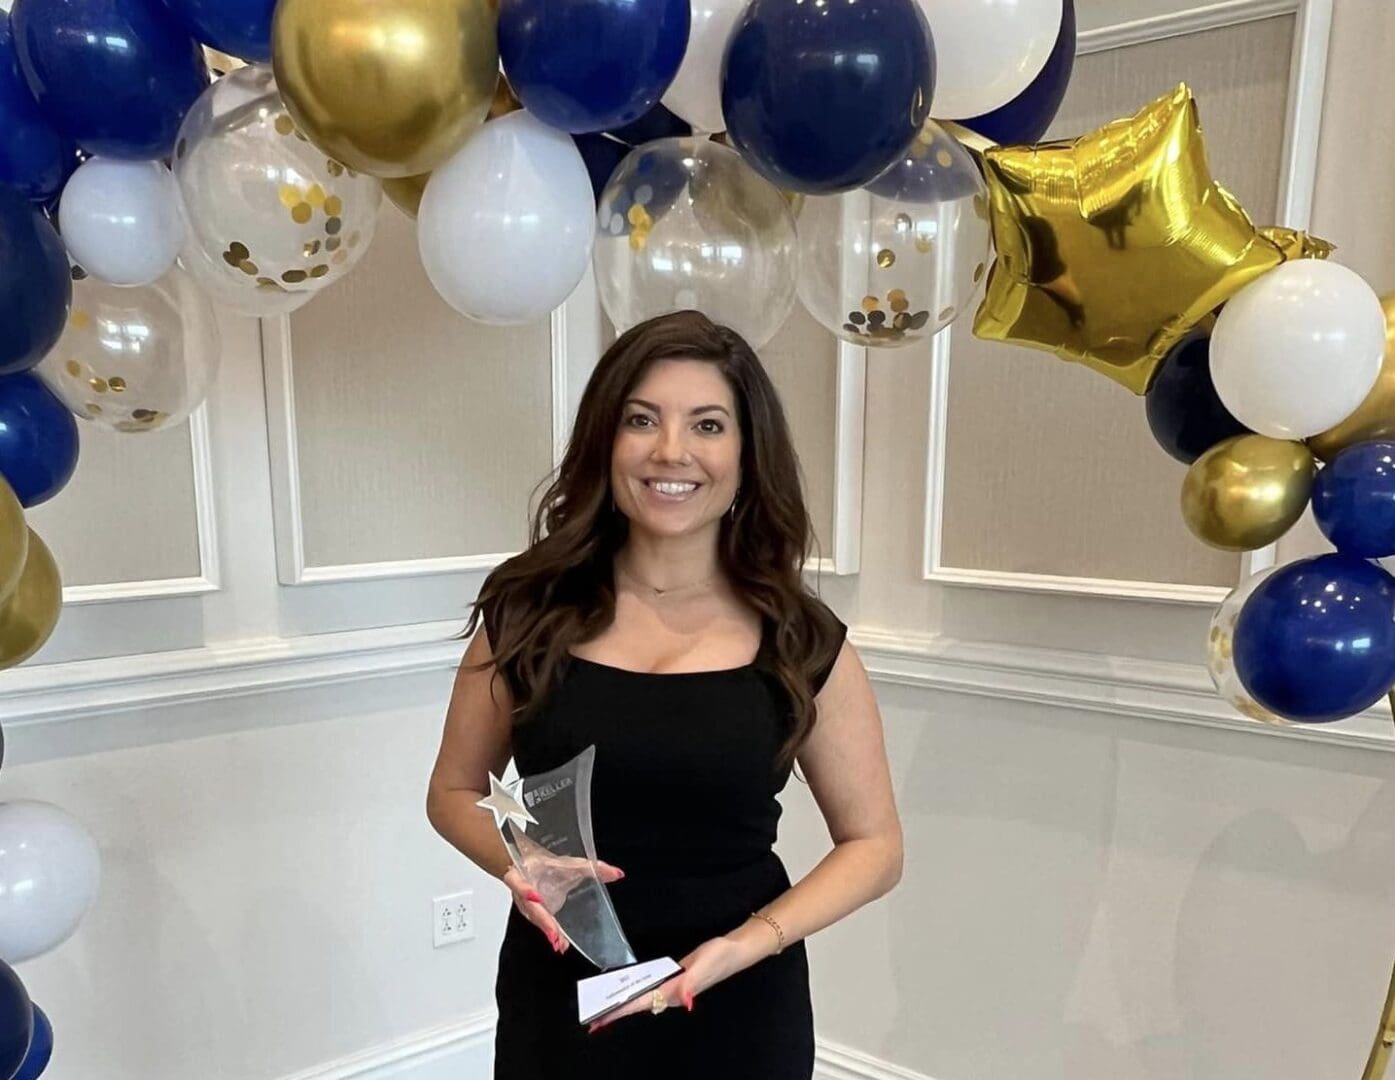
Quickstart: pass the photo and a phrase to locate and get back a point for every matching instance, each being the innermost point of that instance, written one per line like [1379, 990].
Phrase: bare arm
[476, 741]
[845, 763]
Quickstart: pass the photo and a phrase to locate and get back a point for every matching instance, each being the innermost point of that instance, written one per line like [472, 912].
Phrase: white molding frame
[1307, 76]
[575, 343]
[849, 451]
[60, 710]
[570, 326]
[209, 578]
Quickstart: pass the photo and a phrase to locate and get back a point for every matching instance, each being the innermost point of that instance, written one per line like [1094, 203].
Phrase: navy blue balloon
[602, 156]
[591, 65]
[1316, 640]
[240, 28]
[1184, 411]
[34, 158]
[16, 1021]
[822, 98]
[40, 1049]
[36, 287]
[38, 440]
[1026, 117]
[117, 76]
[1354, 500]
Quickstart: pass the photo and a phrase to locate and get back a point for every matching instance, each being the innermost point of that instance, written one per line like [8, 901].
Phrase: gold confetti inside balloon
[1247, 491]
[686, 223]
[135, 360]
[392, 89]
[1374, 418]
[1113, 245]
[14, 540]
[28, 616]
[895, 262]
[1220, 654]
[272, 220]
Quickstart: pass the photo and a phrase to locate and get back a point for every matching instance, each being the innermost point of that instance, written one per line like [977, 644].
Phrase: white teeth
[673, 489]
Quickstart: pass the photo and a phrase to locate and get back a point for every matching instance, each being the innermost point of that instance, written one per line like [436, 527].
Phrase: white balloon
[506, 223]
[1298, 349]
[49, 872]
[122, 221]
[987, 51]
[696, 91]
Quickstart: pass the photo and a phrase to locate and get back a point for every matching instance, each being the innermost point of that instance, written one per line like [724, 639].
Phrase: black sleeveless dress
[684, 801]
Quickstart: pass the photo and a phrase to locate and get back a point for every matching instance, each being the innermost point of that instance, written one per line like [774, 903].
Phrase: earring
[733, 502]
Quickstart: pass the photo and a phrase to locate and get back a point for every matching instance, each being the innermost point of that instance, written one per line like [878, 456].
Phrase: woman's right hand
[559, 877]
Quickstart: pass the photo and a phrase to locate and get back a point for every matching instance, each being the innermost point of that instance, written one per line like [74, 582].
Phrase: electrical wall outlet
[452, 918]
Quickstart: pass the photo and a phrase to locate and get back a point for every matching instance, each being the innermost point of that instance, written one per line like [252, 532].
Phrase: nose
[670, 445]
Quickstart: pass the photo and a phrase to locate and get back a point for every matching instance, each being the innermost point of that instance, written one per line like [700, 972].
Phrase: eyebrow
[691, 412]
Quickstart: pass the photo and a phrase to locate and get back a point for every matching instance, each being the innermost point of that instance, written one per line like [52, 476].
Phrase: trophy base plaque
[600, 994]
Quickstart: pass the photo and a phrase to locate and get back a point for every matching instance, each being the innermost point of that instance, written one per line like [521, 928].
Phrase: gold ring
[657, 1004]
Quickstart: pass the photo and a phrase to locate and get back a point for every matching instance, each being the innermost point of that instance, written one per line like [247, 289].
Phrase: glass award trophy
[545, 821]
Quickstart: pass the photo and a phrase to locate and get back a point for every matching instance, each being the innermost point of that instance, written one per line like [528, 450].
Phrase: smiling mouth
[677, 492]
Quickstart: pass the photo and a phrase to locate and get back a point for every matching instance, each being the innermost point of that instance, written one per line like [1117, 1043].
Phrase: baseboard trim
[454, 1046]
[463, 1050]
[833, 1061]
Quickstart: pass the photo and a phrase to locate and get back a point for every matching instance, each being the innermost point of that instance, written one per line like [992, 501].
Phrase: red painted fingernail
[534, 896]
[688, 1001]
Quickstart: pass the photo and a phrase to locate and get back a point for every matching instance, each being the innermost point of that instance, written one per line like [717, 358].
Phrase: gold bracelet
[775, 926]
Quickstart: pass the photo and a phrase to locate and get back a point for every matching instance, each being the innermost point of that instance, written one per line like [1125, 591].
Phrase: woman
[661, 616]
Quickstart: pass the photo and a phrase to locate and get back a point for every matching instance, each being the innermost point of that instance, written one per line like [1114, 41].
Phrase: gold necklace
[662, 592]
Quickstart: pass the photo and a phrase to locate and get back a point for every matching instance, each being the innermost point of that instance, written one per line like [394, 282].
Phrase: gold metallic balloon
[1375, 417]
[1113, 245]
[388, 88]
[1247, 491]
[1296, 244]
[28, 617]
[405, 192]
[14, 540]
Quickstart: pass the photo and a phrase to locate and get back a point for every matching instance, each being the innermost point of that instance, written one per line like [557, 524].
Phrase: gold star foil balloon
[1113, 245]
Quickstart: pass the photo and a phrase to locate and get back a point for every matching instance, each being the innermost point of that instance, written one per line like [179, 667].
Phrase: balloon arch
[877, 159]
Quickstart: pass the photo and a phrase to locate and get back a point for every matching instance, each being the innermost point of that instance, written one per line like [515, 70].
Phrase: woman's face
[679, 424]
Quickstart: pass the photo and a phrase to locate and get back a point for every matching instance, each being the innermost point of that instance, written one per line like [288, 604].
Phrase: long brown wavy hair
[559, 592]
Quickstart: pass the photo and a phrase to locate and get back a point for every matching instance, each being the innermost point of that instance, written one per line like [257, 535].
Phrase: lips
[660, 496]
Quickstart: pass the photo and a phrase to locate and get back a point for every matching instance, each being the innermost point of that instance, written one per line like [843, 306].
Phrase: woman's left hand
[714, 960]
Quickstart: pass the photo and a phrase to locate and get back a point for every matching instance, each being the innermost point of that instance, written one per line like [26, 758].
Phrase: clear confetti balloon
[895, 262]
[135, 359]
[1220, 659]
[272, 220]
[686, 223]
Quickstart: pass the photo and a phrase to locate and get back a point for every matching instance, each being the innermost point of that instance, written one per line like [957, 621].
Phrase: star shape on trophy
[503, 802]
[1111, 246]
